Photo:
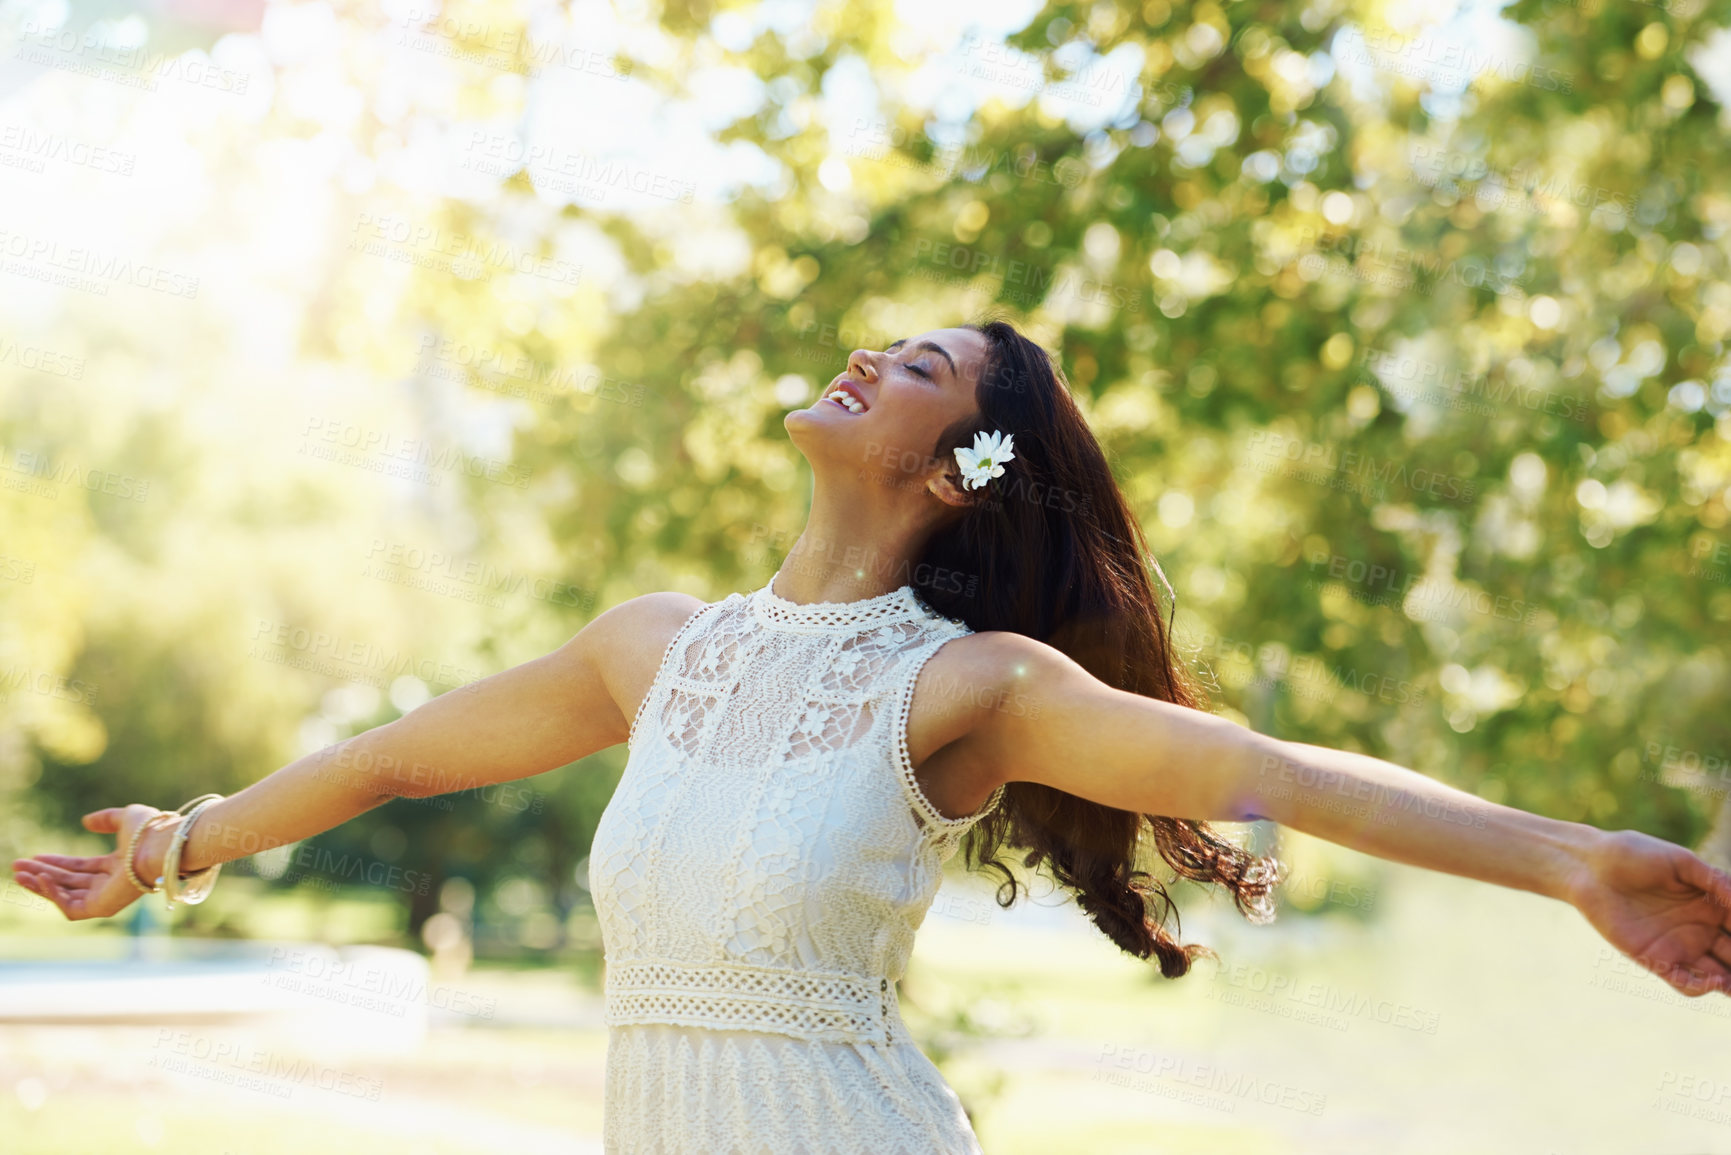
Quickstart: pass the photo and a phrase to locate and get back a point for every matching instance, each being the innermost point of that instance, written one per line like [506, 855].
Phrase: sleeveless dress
[759, 875]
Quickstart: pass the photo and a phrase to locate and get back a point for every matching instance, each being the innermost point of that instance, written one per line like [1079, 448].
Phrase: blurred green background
[350, 353]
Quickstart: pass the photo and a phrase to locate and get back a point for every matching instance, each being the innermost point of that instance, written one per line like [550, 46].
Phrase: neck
[856, 544]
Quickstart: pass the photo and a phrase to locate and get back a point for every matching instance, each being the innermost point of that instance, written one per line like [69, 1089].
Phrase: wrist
[1580, 849]
[153, 848]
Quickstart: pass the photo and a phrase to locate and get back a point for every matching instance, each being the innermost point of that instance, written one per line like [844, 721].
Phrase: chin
[806, 433]
[825, 444]
[806, 423]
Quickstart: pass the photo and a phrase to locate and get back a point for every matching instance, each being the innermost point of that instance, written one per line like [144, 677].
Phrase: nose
[861, 361]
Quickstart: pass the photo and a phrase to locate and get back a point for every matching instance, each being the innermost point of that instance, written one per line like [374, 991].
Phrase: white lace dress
[759, 875]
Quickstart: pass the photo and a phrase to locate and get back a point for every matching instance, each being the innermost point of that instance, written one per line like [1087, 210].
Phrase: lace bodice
[769, 854]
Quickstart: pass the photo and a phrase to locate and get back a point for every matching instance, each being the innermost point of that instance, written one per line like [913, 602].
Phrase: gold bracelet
[132, 848]
[203, 879]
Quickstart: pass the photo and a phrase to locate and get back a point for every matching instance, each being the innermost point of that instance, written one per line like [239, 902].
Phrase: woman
[964, 638]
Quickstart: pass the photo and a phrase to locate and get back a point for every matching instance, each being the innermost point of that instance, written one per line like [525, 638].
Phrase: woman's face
[904, 397]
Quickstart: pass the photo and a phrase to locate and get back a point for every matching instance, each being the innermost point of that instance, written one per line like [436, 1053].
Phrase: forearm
[304, 798]
[515, 724]
[1391, 812]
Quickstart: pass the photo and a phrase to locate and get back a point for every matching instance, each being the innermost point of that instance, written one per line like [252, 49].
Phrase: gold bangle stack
[201, 881]
[132, 849]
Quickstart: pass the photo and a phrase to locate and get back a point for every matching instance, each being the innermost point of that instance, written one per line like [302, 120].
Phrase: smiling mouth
[846, 400]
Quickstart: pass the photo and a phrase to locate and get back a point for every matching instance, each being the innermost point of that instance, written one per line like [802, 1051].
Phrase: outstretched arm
[1655, 901]
[523, 721]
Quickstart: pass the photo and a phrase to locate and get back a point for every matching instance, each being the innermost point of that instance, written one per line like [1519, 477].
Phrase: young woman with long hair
[964, 648]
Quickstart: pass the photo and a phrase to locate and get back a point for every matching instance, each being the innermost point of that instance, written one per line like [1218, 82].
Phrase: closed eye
[921, 372]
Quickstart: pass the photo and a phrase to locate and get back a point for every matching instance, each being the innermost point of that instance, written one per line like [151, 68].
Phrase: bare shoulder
[627, 642]
[975, 678]
[629, 639]
[997, 659]
[974, 699]
[645, 618]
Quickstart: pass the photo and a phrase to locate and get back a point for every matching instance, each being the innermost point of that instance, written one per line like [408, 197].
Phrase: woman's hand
[1660, 905]
[93, 887]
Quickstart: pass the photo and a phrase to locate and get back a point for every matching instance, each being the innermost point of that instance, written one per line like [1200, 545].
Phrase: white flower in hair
[986, 459]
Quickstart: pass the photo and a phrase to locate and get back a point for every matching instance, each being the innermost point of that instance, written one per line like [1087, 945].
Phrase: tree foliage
[1407, 344]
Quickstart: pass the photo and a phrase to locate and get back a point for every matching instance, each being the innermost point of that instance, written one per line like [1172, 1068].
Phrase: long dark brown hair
[1059, 556]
